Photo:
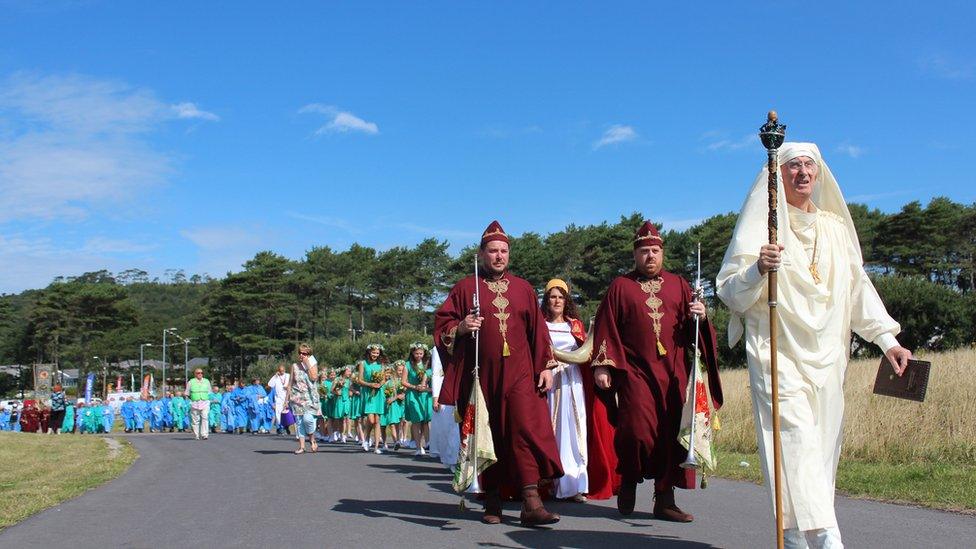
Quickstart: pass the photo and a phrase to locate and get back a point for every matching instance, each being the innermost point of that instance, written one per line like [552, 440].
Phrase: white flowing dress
[568, 412]
[445, 439]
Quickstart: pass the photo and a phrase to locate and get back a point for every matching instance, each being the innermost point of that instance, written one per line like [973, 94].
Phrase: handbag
[287, 418]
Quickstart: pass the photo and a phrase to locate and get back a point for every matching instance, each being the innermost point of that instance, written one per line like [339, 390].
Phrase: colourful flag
[477, 451]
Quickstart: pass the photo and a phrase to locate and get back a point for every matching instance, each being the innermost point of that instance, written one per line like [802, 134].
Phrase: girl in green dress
[419, 405]
[340, 388]
[371, 381]
[328, 405]
[393, 390]
[355, 405]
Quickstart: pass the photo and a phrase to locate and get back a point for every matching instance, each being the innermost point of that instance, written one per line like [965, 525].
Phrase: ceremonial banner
[477, 446]
[118, 384]
[697, 405]
[146, 381]
[43, 380]
[89, 383]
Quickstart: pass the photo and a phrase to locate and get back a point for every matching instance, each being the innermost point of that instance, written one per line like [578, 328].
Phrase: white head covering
[751, 228]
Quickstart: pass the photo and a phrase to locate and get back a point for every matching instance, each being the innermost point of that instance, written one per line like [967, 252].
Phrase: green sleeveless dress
[419, 406]
[374, 402]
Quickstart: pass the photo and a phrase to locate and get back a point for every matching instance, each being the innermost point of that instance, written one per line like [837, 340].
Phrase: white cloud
[325, 220]
[74, 144]
[340, 121]
[191, 111]
[106, 245]
[720, 141]
[224, 249]
[941, 66]
[34, 261]
[617, 133]
[853, 151]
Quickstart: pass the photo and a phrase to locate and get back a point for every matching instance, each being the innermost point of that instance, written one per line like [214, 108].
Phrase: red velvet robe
[601, 465]
[650, 387]
[518, 412]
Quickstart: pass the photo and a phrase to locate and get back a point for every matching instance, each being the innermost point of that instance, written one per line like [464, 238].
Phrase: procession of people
[599, 424]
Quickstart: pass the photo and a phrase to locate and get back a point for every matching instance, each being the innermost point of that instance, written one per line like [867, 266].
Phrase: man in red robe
[643, 339]
[515, 362]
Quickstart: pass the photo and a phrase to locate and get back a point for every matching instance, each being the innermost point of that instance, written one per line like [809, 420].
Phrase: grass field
[40, 471]
[895, 450]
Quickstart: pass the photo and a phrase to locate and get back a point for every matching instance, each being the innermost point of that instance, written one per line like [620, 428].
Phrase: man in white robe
[279, 384]
[824, 294]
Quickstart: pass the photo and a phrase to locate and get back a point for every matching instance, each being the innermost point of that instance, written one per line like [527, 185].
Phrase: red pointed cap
[647, 235]
[494, 232]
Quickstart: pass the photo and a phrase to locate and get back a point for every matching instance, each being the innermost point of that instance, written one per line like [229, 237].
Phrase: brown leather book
[911, 385]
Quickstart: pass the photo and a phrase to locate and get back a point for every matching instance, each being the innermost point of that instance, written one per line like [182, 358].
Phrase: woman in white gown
[445, 440]
[567, 405]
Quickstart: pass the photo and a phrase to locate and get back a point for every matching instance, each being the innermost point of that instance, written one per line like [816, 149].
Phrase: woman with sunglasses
[303, 395]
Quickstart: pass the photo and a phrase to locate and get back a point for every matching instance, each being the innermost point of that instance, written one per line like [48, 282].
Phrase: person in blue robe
[5, 419]
[93, 419]
[214, 415]
[227, 410]
[68, 423]
[156, 415]
[80, 418]
[176, 412]
[267, 415]
[255, 403]
[128, 413]
[166, 402]
[186, 411]
[240, 407]
[140, 412]
[108, 418]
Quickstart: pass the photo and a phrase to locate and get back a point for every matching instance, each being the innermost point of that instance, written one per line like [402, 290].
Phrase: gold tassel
[716, 424]
[505, 351]
[660, 348]
[704, 482]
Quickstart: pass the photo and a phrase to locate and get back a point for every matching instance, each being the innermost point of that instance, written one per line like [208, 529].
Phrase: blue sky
[191, 135]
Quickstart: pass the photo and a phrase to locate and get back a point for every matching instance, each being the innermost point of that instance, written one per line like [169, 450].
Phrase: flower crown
[376, 346]
[419, 345]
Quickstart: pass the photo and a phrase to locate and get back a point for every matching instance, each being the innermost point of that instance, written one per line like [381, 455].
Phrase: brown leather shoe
[533, 512]
[666, 509]
[493, 508]
[627, 498]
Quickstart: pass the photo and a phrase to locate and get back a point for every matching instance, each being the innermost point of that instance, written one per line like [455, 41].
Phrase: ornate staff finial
[772, 132]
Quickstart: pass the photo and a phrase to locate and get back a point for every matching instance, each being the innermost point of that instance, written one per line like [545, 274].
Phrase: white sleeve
[740, 286]
[869, 318]
[438, 372]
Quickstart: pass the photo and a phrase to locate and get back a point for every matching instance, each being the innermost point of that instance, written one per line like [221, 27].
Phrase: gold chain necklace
[814, 271]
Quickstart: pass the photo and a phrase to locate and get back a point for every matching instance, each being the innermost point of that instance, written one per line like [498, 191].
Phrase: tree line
[922, 259]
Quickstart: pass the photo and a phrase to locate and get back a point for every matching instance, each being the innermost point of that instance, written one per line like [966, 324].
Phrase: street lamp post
[166, 331]
[186, 358]
[142, 374]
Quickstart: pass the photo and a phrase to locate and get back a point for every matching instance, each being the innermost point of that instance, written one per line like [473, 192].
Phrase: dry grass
[883, 429]
[894, 450]
[40, 471]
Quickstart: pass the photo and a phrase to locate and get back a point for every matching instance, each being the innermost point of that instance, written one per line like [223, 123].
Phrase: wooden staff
[772, 134]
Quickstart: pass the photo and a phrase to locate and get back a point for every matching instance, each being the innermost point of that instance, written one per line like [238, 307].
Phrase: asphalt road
[249, 491]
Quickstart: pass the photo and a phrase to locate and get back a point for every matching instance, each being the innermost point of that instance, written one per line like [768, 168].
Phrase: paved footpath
[251, 491]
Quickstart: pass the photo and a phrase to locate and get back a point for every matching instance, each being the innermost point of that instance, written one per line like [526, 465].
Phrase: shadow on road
[423, 513]
[558, 538]
[407, 469]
